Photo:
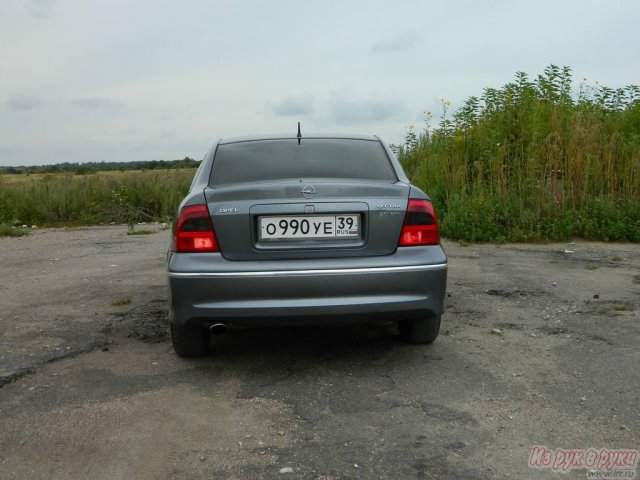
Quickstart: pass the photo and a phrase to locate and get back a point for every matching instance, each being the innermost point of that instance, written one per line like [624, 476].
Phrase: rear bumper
[306, 292]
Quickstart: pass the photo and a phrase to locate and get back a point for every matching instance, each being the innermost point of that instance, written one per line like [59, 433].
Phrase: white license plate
[309, 227]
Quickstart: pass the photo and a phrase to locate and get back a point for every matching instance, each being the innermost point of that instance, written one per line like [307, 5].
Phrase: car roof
[285, 136]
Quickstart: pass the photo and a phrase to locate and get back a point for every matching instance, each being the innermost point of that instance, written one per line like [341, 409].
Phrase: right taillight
[420, 225]
[193, 231]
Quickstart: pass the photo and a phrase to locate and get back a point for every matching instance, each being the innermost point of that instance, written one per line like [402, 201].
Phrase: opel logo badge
[308, 191]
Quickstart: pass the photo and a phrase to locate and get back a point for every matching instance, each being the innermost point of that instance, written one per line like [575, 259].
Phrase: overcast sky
[121, 80]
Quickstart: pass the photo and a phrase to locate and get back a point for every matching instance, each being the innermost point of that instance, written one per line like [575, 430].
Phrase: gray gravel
[538, 347]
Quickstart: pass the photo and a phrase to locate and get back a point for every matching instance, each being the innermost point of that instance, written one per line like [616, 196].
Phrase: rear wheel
[420, 330]
[190, 340]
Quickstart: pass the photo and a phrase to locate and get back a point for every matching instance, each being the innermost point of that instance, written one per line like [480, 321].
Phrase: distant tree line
[93, 167]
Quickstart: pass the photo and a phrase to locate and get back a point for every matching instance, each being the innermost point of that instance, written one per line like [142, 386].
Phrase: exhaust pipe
[218, 329]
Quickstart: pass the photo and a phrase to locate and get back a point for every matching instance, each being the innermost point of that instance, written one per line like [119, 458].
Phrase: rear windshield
[279, 159]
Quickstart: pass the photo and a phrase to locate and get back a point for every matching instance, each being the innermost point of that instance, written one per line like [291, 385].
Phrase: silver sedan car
[292, 230]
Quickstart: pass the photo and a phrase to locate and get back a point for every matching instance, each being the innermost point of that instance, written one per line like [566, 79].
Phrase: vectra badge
[308, 191]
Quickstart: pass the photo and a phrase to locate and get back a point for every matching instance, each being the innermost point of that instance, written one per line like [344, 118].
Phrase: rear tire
[190, 340]
[420, 330]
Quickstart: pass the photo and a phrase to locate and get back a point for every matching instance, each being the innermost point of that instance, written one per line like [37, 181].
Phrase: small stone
[457, 445]
[596, 296]
[533, 335]
[356, 465]
[202, 459]
[286, 470]
[554, 284]
[583, 399]
[496, 331]
[623, 427]
[105, 349]
[281, 433]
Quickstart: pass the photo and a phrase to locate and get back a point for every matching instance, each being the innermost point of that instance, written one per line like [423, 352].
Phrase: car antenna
[299, 134]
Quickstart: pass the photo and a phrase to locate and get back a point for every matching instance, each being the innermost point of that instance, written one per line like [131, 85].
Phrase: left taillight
[193, 231]
[420, 225]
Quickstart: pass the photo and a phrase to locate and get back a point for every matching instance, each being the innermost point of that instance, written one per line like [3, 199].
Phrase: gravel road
[538, 347]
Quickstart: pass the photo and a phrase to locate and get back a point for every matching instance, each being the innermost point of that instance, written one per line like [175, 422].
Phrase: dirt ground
[538, 347]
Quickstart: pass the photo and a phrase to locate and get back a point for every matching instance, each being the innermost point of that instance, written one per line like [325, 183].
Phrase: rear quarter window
[258, 160]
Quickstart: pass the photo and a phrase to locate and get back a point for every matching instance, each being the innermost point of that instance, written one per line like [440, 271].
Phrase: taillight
[420, 225]
[193, 231]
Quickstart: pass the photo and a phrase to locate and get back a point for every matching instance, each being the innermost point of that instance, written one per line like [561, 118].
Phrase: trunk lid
[377, 207]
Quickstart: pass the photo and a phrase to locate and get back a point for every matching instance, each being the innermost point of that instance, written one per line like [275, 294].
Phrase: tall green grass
[533, 160]
[67, 199]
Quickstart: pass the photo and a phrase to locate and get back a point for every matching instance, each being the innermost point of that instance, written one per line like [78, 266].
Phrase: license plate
[309, 227]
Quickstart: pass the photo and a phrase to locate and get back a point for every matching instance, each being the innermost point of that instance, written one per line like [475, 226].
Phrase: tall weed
[533, 160]
[67, 199]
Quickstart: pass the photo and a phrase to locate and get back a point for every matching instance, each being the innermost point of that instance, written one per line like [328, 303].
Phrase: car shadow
[308, 341]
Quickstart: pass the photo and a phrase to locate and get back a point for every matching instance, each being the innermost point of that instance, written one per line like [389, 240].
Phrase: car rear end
[282, 231]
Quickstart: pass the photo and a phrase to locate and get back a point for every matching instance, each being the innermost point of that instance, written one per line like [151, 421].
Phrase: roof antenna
[299, 134]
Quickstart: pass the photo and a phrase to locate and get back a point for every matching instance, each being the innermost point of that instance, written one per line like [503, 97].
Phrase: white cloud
[346, 109]
[40, 8]
[23, 102]
[293, 105]
[402, 42]
[96, 103]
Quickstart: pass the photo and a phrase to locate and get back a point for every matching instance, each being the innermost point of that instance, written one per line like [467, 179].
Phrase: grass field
[105, 197]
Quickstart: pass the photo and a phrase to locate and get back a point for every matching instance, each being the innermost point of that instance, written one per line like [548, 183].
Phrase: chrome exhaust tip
[218, 329]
